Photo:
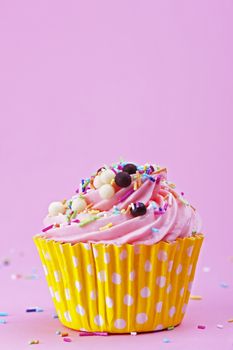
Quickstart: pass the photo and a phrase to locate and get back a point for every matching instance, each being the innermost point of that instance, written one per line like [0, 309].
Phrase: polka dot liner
[120, 289]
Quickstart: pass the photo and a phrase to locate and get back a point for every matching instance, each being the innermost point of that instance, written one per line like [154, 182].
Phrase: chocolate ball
[130, 168]
[123, 179]
[138, 209]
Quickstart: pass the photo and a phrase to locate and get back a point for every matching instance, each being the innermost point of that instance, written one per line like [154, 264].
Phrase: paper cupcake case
[120, 289]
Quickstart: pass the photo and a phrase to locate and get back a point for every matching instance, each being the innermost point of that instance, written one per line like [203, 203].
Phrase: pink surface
[83, 83]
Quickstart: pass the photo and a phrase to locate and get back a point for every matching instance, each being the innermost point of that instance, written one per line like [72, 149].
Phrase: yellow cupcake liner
[119, 289]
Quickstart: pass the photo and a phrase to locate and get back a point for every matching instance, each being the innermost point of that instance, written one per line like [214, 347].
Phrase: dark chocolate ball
[123, 179]
[130, 168]
[138, 209]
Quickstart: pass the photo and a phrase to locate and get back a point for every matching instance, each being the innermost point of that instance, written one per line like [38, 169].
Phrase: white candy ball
[97, 182]
[107, 176]
[79, 204]
[106, 191]
[56, 208]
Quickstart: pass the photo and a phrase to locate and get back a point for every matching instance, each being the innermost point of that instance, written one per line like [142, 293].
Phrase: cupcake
[120, 255]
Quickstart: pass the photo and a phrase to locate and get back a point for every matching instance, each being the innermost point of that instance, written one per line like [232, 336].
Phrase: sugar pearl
[97, 182]
[106, 191]
[107, 176]
[79, 204]
[56, 208]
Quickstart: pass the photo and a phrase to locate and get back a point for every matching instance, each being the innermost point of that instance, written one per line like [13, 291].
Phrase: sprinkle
[170, 328]
[16, 276]
[166, 340]
[220, 326]
[133, 333]
[3, 314]
[77, 221]
[195, 297]
[33, 342]
[126, 195]
[93, 211]
[135, 186]
[64, 334]
[149, 177]
[2, 321]
[58, 333]
[106, 227]
[230, 320]
[34, 309]
[200, 326]
[153, 229]
[182, 193]
[158, 180]
[87, 221]
[83, 334]
[224, 285]
[89, 205]
[123, 211]
[67, 340]
[47, 228]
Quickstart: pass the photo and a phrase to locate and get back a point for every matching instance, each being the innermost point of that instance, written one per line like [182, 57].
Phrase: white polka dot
[136, 249]
[178, 269]
[109, 302]
[89, 269]
[182, 291]
[67, 294]
[45, 270]
[120, 323]
[93, 295]
[190, 250]
[51, 291]
[123, 254]
[57, 276]
[161, 281]
[67, 316]
[145, 292]
[132, 275]
[159, 327]
[78, 285]
[102, 276]
[57, 296]
[128, 300]
[98, 320]
[86, 246]
[147, 266]
[75, 261]
[80, 310]
[95, 252]
[190, 269]
[190, 286]
[170, 265]
[158, 306]
[184, 308]
[141, 318]
[106, 258]
[162, 255]
[169, 288]
[172, 311]
[116, 278]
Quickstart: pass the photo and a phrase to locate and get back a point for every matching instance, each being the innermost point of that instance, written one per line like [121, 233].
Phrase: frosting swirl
[106, 210]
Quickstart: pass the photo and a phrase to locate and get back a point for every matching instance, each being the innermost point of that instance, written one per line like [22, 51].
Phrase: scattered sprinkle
[206, 269]
[2, 321]
[224, 285]
[200, 326]
[54, 316]
[126, 195]
[33, 342]
[58, 332]
[3, 314]
[34, 309]
[84, 334]
[64, 334]
[133, 333]
[153, 229]
[220, 326]
[67, 340]
[47, 228]
[166, 340]
[170, 328]
[195, 297]
[230, 320]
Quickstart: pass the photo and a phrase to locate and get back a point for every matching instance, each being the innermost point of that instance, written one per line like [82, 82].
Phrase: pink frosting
[168, 217]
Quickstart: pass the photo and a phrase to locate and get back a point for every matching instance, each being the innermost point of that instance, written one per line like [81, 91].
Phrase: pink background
[83, 83]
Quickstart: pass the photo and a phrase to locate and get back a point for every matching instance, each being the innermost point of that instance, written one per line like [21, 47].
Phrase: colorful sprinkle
[224, 285]
[133, 333]
[103, 228]
[153, 229]
[64, 334]
[2, 321]
[88, 221]
[3, 314]
[200, 326]
[47, 228]
[166, 340]
[34, 309]
[170, 328]
[220, 326]
[31, 342]
[126, 195]
[230, 320]
[67, 340]
[195, 297]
